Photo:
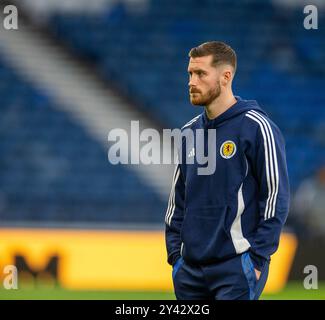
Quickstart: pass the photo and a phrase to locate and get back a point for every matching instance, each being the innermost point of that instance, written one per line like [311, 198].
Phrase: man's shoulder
[258, 119]
[258, 123]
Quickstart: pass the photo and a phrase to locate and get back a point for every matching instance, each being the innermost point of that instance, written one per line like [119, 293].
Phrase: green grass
[293, 291]
[296, 291]
[61, 294]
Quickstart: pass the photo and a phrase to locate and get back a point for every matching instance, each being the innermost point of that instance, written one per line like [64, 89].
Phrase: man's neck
[220, 105]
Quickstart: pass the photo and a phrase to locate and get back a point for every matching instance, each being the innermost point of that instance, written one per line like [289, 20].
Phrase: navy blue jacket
[240, 207]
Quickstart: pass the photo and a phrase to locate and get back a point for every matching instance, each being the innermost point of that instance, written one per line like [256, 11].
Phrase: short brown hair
[221, 52]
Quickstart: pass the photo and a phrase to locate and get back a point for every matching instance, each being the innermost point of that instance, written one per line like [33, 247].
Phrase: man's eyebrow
[195, 70]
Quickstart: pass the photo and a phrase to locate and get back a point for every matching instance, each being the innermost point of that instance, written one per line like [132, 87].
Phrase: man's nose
[192, 82]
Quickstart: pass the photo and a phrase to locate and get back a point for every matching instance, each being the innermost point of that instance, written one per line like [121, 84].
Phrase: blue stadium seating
[280, 64]
[53, 171]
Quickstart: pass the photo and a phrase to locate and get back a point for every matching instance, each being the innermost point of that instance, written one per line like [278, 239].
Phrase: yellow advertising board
[109, 260]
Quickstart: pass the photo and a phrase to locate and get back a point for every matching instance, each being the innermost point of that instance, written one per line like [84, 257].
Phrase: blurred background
[75, 69]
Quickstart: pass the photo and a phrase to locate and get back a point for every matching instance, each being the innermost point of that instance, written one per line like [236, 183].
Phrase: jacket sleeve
[268, 160]
[174, 216]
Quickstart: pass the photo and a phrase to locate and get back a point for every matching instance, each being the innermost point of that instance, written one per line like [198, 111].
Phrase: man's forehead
[200, 62]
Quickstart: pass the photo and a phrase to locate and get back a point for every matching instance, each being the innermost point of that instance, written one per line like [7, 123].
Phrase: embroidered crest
[228, 149]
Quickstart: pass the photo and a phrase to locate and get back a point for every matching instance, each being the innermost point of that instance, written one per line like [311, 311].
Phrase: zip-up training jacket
[243, 205]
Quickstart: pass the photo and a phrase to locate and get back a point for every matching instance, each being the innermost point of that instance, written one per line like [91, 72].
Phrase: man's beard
[205, 100]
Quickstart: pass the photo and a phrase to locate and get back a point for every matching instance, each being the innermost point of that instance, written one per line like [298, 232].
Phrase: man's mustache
[195, 91]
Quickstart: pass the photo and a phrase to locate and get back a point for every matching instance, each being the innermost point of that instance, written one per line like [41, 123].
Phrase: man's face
[204, 81]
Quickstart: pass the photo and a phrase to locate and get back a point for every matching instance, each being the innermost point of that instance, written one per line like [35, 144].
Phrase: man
[222, 228]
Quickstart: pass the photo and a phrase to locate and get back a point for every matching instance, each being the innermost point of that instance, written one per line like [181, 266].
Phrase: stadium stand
[53, 171]
[144, 55]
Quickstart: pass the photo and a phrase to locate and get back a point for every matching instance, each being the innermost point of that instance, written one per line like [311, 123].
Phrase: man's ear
[227, 75]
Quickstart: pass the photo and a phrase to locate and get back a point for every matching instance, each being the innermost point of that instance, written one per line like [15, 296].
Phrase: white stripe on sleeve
[271, 166]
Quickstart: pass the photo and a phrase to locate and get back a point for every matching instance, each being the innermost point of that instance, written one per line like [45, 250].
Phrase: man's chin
[196, 102]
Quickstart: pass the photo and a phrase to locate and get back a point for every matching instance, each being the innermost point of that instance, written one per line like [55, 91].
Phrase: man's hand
[258, 274]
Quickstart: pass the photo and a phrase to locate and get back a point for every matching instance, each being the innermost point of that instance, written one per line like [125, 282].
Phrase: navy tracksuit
[221, 226]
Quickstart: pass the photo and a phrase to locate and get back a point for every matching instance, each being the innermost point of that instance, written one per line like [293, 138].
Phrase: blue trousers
[232, 279]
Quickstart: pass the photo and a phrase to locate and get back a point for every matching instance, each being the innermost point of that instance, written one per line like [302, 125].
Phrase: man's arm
[268, 161]
[174, 216]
